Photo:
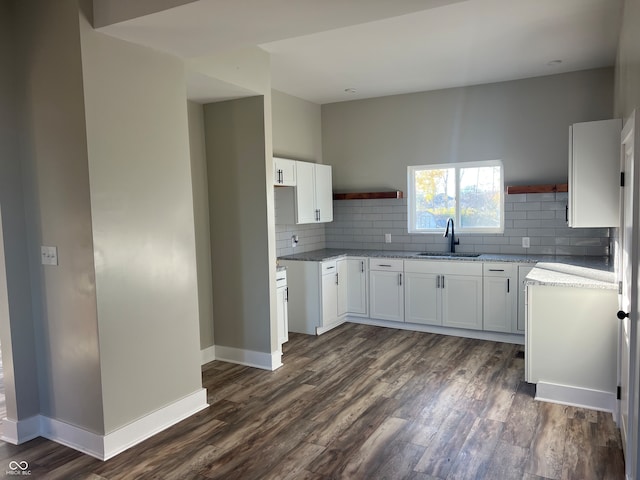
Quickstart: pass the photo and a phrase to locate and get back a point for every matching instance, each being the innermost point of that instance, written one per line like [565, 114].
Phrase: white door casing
[628, 268]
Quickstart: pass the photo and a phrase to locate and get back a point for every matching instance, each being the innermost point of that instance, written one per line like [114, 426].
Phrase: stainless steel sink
[448, 254]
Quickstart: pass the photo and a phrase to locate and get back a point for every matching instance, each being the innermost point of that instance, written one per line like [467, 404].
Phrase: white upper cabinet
[314, 196]
[284, 172]
[324, 192]
[594, 174]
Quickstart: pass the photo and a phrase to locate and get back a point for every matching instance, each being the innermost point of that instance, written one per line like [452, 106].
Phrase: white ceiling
[319, 48]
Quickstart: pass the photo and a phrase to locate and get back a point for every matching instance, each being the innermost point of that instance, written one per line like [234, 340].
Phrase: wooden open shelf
[367, 195]
[552, 188]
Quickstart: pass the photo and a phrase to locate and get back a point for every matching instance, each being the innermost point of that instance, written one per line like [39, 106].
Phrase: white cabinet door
[283, 315]
[356, 286]
[305, 193]
[523, 271]
[499, 304]
[284, 172]
[329, 300]
[387, 299]
[594, 174]
[343, 286]
[324, 192]
[462, 301]
[314, 194]
[422, 299]
[500, 297]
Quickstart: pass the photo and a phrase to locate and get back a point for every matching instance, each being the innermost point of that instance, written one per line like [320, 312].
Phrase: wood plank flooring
[363, 402]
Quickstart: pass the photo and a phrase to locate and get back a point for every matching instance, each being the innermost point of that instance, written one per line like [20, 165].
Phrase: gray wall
[297, 134]
[627, 95]
[58, 210]
[297, 128]
[241, 263]
[143, 226]
[199, 180]
[16, 321]
[524, 123]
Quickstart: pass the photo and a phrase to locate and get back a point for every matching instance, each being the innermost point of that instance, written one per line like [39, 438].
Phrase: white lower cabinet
[471, 295]
[321, 294]
[329, 293]
[387, 289]
[500, 298]
[572, 344]
[422, 299]
[462, 301]
[352, 289]
[282, 306]
[444, 293]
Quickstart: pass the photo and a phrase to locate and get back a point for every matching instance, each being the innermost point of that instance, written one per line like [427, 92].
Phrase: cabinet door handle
[362, 266]
[496, 270]
[286, 294]
[508, 286]
[442, 281]
[400, 278]
[384, 265]
[437, 281]
[331, 267]
[566, 213]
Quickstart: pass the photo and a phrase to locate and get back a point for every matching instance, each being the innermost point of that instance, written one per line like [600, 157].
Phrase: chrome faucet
[453, 242]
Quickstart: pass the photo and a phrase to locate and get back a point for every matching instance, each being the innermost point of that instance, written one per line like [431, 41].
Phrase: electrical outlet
[387, 238]
[294, 241]
[49, 255]
[526, 243]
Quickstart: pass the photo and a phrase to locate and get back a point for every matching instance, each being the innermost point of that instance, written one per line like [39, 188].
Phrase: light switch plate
[387, 238]
[49, 255]
[526, 243]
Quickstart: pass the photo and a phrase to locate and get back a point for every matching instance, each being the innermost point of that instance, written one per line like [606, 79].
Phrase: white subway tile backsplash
[527, 206]
[361, 224]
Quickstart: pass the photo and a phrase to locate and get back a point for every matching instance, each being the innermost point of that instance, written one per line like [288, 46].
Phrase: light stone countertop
[564, 275]
[574, 271]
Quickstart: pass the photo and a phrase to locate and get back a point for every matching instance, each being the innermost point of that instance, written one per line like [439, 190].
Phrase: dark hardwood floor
[363, 403]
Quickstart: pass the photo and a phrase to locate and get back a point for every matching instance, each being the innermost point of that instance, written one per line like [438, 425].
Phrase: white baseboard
[73, 437]
[576, 397]
[104, 447]
[250, 358]
[514, 338]
[155, 422]
[208, 354]
[21, 431]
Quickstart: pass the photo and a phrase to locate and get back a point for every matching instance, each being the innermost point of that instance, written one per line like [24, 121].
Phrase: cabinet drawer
[330, 266]
[281, 278]
[445, 267]
[499, 269]
[386, 264]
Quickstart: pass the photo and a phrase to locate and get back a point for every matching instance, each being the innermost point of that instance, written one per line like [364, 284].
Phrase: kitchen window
[471, 193]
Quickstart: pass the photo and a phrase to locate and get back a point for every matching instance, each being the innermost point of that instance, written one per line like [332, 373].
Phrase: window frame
[411, 197]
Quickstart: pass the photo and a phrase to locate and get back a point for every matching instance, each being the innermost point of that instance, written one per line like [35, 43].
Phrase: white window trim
[411, 200]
